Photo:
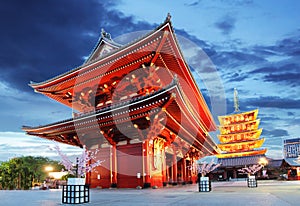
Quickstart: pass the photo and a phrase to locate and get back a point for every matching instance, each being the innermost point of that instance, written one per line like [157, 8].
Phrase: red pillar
[164, 167]
[234, 173]
[146, 162]
[184, 179]
[174, 167]
[113, 170]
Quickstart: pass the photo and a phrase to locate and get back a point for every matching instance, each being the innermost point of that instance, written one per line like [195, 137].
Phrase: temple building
[291, 161]
[240, 141]
[139, 106]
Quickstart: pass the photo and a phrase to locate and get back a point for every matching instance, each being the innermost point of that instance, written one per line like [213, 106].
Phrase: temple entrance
[230, 174]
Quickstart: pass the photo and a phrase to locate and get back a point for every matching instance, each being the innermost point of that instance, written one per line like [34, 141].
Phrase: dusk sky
[254, 45]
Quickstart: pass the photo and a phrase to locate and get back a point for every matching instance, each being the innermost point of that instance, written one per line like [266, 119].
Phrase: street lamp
[263, 161]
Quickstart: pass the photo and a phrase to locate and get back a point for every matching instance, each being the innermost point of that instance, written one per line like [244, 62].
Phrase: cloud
[274, 102]
[20, 108]
[290, 78]
[226, 24]
[232, 59]
[16, 144]
[42, 39]
[275, 133]
[196, 3]
[286, 73]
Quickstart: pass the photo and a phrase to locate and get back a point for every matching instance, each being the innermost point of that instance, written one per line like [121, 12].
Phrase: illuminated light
[82, 94]
[49, 168]
[147, 118]
[90, 91]
[135, 126]
[114, 83]
[263, 161]
[133, 76]
[100, 104]
[101, 131]
[105, 86]
[57, 175]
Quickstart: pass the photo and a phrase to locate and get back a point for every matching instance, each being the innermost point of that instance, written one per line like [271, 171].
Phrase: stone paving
[268, 193]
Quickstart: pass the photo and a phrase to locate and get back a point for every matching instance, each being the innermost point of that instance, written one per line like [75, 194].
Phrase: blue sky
[254, 45]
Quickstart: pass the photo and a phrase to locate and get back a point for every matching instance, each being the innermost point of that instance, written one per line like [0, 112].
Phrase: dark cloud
[237, 77]
[226, 24]
[207, 48]
[274, 102]
[291, 45]
[41, 39]
[232, 59]
[290, 78]
[238, 2]
[287, 73]
[193, 3]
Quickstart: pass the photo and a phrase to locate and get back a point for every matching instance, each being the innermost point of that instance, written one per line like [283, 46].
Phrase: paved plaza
[268, 193]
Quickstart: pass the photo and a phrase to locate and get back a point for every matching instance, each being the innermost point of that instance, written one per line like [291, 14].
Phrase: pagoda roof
[222, 118]
[104, 46]
[237, 137]
[159, 47]
[87, 65]
[242, 154]
[234, 146]
[240, 161]
[227, 129]
[167, 100]
[239, 113]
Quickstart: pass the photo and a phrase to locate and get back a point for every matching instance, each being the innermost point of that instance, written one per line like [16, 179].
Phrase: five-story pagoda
[138, 104]
[240, 140]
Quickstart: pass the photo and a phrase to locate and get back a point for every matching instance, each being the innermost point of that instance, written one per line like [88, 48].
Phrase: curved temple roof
[157, 60]
[166, 100]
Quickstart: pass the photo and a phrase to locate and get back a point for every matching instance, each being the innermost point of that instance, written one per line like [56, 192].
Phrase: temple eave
[141, 115]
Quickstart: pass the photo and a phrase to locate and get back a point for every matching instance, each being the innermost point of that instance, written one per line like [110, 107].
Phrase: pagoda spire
[236, 100]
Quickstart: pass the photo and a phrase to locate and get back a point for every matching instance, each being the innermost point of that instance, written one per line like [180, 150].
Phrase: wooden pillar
[181, 171]
[113, 169]
[234, 173]
[225, 174]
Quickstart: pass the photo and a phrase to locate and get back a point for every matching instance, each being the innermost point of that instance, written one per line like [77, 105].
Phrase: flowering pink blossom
[83, 163]
[205, 168]
[250, 169]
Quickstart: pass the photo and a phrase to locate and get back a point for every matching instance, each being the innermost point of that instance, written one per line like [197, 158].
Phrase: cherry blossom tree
[205, 168]
[251, 170]
[83, 163]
